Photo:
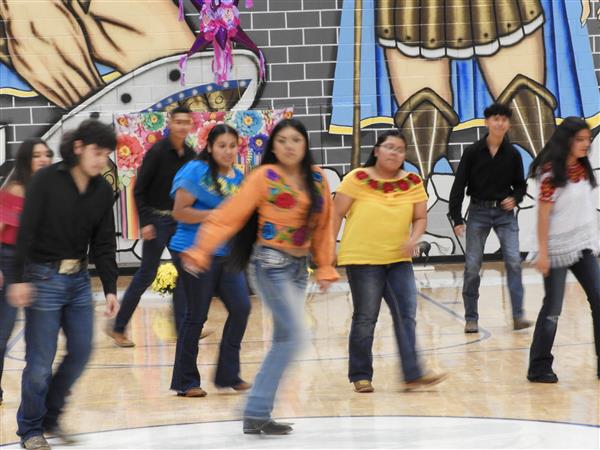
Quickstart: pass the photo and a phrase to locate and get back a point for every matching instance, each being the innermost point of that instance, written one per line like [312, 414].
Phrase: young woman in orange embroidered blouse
[283, 210]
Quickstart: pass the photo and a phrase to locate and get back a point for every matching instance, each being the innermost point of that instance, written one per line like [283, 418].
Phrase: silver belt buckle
[69, 266]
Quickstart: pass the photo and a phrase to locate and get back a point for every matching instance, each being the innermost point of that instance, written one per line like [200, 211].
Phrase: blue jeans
[8, 314]
[504, 223]
[587, 273]
[61, 301]
[232, 290]
[280, 281]
[396, 284]
[145, 275]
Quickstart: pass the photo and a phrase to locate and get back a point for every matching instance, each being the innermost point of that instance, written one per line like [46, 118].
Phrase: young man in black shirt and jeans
[68, 209]
[492, 171]
[154, 203]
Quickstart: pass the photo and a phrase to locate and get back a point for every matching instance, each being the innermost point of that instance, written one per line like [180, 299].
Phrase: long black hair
[557, 149]
[89, 132]
[22, 173]
[372, 159]
[242, 243]
[205, 155]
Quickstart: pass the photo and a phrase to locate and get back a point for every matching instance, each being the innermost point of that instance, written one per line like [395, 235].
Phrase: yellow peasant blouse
[379, 220]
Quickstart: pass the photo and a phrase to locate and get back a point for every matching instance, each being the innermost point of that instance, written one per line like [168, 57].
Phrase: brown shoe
[521, 324]
[471, 326]
[241, 386]
[121, 339]
[193, 392]
[206, 333]
[36, 443]
[427, 380]
[363, 386]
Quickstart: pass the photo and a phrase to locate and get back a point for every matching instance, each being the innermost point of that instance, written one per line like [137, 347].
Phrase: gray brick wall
[299, 38]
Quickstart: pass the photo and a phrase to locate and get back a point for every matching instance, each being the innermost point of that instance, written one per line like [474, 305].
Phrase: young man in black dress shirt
[491, 169]
[154, 203]
[68, 209]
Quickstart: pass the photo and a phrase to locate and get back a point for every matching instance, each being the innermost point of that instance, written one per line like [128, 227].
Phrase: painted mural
[427, 67]
[430, 68]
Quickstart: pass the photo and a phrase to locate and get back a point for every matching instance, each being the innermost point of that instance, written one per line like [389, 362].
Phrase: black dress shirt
[487, 178]
[58, 222]
[155, 177]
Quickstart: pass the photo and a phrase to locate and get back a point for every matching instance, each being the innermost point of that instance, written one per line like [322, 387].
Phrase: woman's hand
[324, 285]
[190, 265]
[542, 263]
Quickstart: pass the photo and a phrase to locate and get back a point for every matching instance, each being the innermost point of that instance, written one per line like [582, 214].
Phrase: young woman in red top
[33, 154]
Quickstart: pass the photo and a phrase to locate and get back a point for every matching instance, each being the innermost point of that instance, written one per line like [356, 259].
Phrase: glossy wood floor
[129, 388]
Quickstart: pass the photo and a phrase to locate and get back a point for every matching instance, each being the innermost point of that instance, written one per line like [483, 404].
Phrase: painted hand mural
[61, 49]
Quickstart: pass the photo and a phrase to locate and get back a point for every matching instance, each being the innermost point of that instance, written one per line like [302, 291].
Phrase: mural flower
[258, 143]
[243, 149]
[248, 123]
[203, 132]
[129, 152]
[123, 121]
[153, 121]
[153, 137]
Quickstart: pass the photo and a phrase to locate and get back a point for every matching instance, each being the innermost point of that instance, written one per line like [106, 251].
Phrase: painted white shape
[386, 432]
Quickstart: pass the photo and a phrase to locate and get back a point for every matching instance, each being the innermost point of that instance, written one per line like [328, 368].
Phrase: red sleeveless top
[11, 207]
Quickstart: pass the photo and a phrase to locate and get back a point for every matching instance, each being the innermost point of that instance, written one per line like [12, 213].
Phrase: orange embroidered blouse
[282, 219]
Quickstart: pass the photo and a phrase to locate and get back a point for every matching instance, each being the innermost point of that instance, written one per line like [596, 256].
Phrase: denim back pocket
[269, 258]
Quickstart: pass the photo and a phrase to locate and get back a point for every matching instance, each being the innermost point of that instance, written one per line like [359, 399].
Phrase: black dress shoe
[269, 426]
[549, 377]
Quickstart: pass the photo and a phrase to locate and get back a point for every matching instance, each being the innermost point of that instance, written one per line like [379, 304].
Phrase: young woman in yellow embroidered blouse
[386, 214]
[283, 210]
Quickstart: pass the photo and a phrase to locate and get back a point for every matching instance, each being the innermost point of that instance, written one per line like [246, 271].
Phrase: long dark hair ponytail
[242, 243]
[205, 155]
[557, 149]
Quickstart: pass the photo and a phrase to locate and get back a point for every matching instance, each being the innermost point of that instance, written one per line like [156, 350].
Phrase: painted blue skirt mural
[553, 78]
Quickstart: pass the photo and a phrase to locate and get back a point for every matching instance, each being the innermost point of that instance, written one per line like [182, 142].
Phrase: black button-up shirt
[58, 222]
[487, 177]
[155, 177]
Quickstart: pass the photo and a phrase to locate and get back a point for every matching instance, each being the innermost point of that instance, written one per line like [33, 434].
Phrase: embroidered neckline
[388, 186]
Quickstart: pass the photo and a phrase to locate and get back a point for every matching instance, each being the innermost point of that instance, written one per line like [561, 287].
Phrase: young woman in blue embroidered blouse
[199, 187]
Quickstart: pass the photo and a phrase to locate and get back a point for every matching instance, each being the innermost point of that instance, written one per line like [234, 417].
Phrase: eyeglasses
[391, 148]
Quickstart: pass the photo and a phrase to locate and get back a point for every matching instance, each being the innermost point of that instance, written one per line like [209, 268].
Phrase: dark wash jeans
[587, 273]
[61, 301]
[232, 290]
[479, 224]
[395, 283]
[145, 275]
[8, 314]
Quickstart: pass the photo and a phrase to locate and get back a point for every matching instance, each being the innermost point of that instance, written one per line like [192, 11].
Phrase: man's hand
[459, 230]
[112, 306]
[508, 204]
[20, 294]
[148, 232]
